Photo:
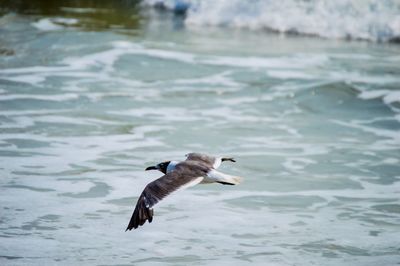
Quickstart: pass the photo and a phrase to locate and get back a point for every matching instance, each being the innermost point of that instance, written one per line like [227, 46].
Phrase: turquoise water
[86, 103]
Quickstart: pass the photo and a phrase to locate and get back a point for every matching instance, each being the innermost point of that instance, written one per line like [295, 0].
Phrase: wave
[53, 24]
[373, 20]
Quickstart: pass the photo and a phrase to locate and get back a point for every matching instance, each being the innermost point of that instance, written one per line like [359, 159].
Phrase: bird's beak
[151, 168]
[228, 159]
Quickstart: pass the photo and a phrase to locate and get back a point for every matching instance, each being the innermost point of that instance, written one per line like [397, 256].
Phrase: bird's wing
[159, 189]
[210, 161]
[203, 158]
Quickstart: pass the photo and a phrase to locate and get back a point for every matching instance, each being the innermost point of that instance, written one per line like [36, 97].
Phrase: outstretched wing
[156, 191]
[203, 158]
[210, 161]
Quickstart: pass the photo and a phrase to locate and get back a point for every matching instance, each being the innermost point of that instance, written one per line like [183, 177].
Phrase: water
[374, 20]
[87, 101]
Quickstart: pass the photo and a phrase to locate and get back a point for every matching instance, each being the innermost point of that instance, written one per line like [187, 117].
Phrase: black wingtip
[140, 215]
[225, 183]
[228, 159]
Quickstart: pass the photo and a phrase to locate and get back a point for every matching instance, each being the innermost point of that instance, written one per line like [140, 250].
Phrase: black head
[162, 167]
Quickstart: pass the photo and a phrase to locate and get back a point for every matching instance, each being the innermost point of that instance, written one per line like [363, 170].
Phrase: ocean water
[373, 20]
[92, 94]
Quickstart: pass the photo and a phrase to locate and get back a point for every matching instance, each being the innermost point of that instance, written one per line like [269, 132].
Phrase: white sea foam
[74, 67]
[53, 24]
[58, 98]
[83, 10]
[386, 133]
[81, 67]
[372, 94]
[105, 59]
[376, 20]
[388, 96]
[296, 61]
[296, 164]
[292, 62]
[34, 69]
[392, 97]
[31, 112]
[33, 79]
[160, 113]
[163, 54]
[66, 21]
[285, 74]
[46, 24]
[72, 120]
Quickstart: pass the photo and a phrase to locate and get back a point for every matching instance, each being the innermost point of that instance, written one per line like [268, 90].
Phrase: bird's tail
[222, 178]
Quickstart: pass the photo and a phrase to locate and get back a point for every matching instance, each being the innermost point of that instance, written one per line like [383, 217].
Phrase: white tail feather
[216, 176]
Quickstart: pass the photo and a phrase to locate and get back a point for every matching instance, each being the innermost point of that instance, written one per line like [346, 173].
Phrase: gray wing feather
[203, 158]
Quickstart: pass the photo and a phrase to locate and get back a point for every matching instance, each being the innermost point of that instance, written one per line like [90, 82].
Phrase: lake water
[92, 94]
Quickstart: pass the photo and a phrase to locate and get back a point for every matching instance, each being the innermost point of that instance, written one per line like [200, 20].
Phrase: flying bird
[211, 161]
[178, 175]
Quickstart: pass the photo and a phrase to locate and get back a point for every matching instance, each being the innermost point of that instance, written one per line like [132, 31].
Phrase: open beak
[228, 159]
[151, 168]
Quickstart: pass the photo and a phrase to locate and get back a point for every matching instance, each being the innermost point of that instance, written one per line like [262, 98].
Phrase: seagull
[211, 161]
[179, 175]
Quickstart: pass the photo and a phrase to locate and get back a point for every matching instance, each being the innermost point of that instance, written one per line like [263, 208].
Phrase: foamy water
[374, 20]
[313, 124]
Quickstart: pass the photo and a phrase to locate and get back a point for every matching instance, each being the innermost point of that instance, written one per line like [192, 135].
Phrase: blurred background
[304, 94]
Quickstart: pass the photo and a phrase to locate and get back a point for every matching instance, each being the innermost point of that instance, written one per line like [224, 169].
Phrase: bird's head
[162, 167]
